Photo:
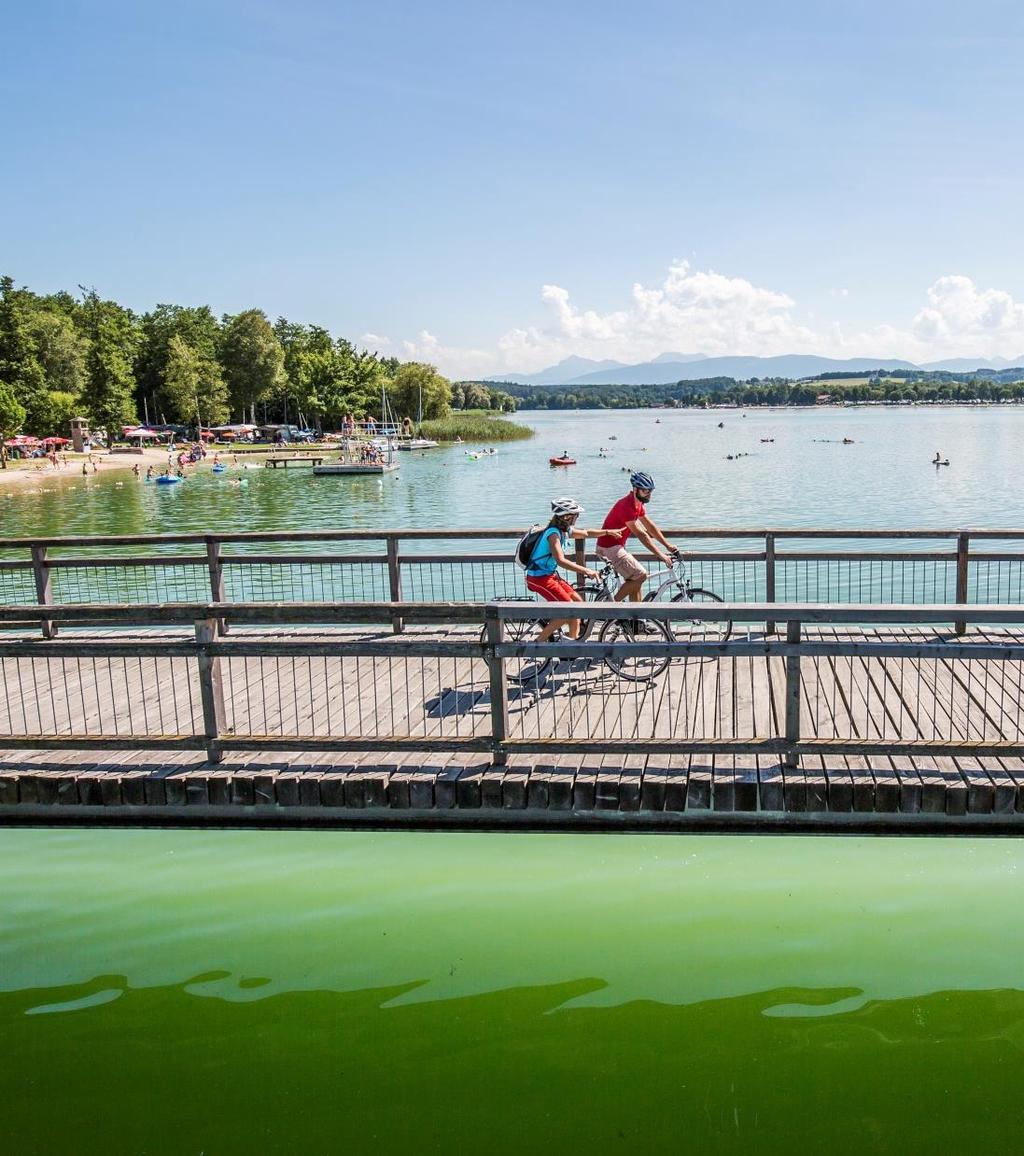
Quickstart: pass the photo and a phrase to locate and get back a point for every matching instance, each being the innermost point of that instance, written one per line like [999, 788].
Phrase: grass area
[474, 425]
[838, 384]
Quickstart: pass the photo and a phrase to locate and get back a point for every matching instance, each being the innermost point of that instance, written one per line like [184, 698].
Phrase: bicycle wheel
[700, 629]
[633, 667]
[522, 669]
[591, 594]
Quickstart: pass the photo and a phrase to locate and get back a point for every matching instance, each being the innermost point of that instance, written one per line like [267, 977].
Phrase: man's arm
[654, 530]
[640, 530]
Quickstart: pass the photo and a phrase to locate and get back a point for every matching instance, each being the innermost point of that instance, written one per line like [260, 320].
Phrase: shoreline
[21, 474]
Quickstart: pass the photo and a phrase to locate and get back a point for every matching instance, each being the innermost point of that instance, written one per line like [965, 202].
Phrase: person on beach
[629, 516]
[548, 554]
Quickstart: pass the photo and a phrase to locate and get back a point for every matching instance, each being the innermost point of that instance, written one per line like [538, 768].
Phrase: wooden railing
[454, 682]
[741, 565]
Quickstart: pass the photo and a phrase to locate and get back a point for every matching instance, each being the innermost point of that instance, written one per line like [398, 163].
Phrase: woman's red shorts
[553, 587]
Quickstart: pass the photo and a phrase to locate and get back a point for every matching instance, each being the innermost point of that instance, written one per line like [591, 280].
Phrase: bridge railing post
[394, 580]
[495, 632]
[216, 567]
[769, 576]
[963, 550]
[581, 560]
[791, 758]
[211, 689]
[44, 593]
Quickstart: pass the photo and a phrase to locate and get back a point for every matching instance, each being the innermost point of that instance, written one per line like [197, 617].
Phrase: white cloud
[373, 341]
[711, 313]
[456, 361]
[690, 311]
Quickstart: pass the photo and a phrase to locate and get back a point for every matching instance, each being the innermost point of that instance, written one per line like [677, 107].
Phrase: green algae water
[359, 992]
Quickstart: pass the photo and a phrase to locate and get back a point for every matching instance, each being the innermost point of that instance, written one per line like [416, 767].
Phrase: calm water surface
[241, 992]
[805, 477]
[226, 992]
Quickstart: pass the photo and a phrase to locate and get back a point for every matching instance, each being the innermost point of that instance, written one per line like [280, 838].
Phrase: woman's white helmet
[563, 507]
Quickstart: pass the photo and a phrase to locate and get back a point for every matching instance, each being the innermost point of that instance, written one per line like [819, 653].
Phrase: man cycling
[629, 516]
[542, 575]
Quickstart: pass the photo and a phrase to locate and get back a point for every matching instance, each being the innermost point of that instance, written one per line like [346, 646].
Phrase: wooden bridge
[819, 715]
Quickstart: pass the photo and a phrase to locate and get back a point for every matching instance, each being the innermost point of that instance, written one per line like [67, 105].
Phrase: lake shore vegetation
[63, 356]
[474, 425]
[896, 387]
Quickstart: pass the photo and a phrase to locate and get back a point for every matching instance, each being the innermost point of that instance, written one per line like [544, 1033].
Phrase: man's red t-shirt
[626, 509]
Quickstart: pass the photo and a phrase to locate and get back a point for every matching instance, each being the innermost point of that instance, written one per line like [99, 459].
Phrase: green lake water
[240, 992]
[250, 992]
[804, 477]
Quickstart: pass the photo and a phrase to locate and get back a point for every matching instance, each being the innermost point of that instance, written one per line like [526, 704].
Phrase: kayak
[562, 461]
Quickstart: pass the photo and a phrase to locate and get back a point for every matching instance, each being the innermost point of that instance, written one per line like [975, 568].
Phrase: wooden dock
[285, 461]
[351, 727]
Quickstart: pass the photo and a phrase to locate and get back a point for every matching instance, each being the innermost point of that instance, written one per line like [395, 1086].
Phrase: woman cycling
[542, 575]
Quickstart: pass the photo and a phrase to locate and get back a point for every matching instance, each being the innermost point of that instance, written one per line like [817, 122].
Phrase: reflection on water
[183, 991]
[165, 1070]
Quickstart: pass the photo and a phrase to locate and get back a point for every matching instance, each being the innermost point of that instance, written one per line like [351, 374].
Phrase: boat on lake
[418, 444]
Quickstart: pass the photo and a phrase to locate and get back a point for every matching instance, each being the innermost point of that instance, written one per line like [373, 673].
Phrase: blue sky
[730, 178]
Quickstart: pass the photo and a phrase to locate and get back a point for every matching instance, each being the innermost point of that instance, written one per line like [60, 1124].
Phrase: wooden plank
[980, 791]
[606, 785]
[840, 783]
[770, 785]
[513, 787]
[887, 786]
[653, 781]
[584, 791]
[467, 791]
[911, 790]
[698, 788]
[746, 782]
[490, 786]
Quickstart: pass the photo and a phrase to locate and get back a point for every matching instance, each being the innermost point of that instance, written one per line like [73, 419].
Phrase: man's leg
[631, 588]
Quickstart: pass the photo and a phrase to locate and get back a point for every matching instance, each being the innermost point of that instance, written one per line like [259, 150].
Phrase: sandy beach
[37, 471]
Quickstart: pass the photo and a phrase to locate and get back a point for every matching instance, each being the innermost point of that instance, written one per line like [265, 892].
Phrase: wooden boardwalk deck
[338, 700]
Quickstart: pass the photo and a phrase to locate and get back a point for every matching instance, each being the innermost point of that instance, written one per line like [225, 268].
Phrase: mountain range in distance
[668, 368]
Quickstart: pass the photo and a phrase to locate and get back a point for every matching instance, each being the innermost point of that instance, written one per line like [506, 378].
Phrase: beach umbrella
[56, 441]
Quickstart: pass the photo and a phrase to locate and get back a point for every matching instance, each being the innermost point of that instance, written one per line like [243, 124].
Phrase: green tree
[12, 415]
[20, 370]
[253, 360]
[114, 340]
[61, 351]
[193, 385]
[197, 327]
[416, 380]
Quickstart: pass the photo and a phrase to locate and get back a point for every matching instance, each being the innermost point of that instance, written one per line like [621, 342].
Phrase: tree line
[63, 355]
[942, 386]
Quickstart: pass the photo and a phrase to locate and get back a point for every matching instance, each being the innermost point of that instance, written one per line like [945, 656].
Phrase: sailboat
[418, 443]
[385, 460]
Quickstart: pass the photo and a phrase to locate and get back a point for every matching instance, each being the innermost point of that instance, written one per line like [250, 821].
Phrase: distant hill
[564, 372]
[680, 357]
[791, 365]
[966, 364]
[668, 368]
